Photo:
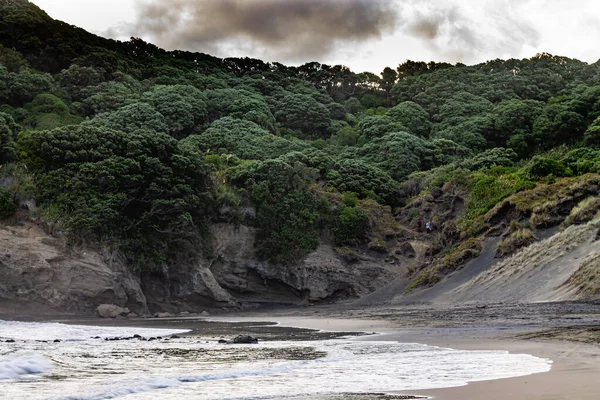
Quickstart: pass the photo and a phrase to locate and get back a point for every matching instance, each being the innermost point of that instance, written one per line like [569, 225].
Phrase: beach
[562, 332]
[565, 333]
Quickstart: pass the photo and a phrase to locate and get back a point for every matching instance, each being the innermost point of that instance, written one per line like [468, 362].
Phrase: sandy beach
[563, 333]
[568, 334]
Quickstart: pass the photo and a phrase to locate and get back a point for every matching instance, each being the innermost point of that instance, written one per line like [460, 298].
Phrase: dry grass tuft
[517, 239]
[583, 212]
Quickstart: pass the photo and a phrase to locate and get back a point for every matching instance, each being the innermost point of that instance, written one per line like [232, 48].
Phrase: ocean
[54, 361]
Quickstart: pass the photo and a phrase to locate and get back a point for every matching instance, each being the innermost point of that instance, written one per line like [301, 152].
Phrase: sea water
[84, 366]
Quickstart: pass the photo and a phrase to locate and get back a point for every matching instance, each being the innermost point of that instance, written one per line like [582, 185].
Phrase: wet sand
[568, 334]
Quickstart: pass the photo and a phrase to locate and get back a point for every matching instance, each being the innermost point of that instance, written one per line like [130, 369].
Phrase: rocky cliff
[37, 270]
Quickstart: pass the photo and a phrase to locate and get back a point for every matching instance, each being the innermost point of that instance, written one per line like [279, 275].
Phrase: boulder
[205, 314]
[245, 339]
[111, 311]
[163, 315]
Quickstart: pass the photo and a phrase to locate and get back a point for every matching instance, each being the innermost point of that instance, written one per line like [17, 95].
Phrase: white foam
[51, 331]
[350, 367]
[18, 365]
[191, 368]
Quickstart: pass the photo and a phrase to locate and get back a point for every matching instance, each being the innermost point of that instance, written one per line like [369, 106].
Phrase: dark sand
[566, 333]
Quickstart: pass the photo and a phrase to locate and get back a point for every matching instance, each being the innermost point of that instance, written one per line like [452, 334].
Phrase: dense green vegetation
[131, 146]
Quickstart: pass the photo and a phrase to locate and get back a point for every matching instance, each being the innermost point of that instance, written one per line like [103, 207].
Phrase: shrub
[543, 166]
[7, 205]
[351, 226]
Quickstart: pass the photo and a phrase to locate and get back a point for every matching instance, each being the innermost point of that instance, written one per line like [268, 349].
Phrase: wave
[51, 331]
[23, 364]
[126, 388]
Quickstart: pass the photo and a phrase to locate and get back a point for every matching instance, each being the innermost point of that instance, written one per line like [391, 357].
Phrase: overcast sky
[366, 35]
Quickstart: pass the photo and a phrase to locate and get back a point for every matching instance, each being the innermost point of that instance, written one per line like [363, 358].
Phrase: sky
[365, 35]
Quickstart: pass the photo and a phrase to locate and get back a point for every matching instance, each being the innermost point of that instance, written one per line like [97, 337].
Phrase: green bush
[351, 226]
[544, 166]
[7, 204]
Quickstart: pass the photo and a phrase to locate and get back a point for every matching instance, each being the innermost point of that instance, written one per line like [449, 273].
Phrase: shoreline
[573, 375]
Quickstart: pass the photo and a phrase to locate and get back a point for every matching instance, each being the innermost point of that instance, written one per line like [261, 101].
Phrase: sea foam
[15, 366]
[51, 331]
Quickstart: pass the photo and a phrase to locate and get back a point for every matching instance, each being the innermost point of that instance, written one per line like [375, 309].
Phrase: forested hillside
[132, 147]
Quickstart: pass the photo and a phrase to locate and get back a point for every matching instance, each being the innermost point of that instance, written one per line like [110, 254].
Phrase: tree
[388, 79]
[412, 116]
[139, 191]
[240, 104]
[303, 114]
[107, 97]
[134, 117]
[244, 139]
[8, 133]
[76, 79]
[183, 107]
[592, 134]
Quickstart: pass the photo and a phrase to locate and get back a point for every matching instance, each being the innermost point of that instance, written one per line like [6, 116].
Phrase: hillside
[221, 182]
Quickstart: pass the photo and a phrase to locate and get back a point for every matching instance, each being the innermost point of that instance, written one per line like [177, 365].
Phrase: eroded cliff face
[322, 276]
[38, 269]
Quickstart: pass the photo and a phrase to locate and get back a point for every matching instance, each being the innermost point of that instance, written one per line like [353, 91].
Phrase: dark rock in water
[137, 336]
[245, 339]
[222, 341]
[159, 338]
[56, 340]
[9, 341]
[96, 337]
[151, 339]
[175, 337]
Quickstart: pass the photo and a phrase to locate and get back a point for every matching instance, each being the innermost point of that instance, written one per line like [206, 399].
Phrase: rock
[56, 340]
[175, 337]
[205, 314]
[9, 341]
[136, 336]
[245, 339]
[436, 192]
[222, 341]
[406, 250]
[111, 311]
[38, 268]
[163, 315]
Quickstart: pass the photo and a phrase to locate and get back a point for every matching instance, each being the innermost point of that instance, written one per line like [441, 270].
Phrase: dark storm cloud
[294, 29]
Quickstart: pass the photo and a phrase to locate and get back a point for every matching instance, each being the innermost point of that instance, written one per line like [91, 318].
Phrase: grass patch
[583, 212]
[513, 242]
[546, 204]
[423, 279]
[456, 257]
